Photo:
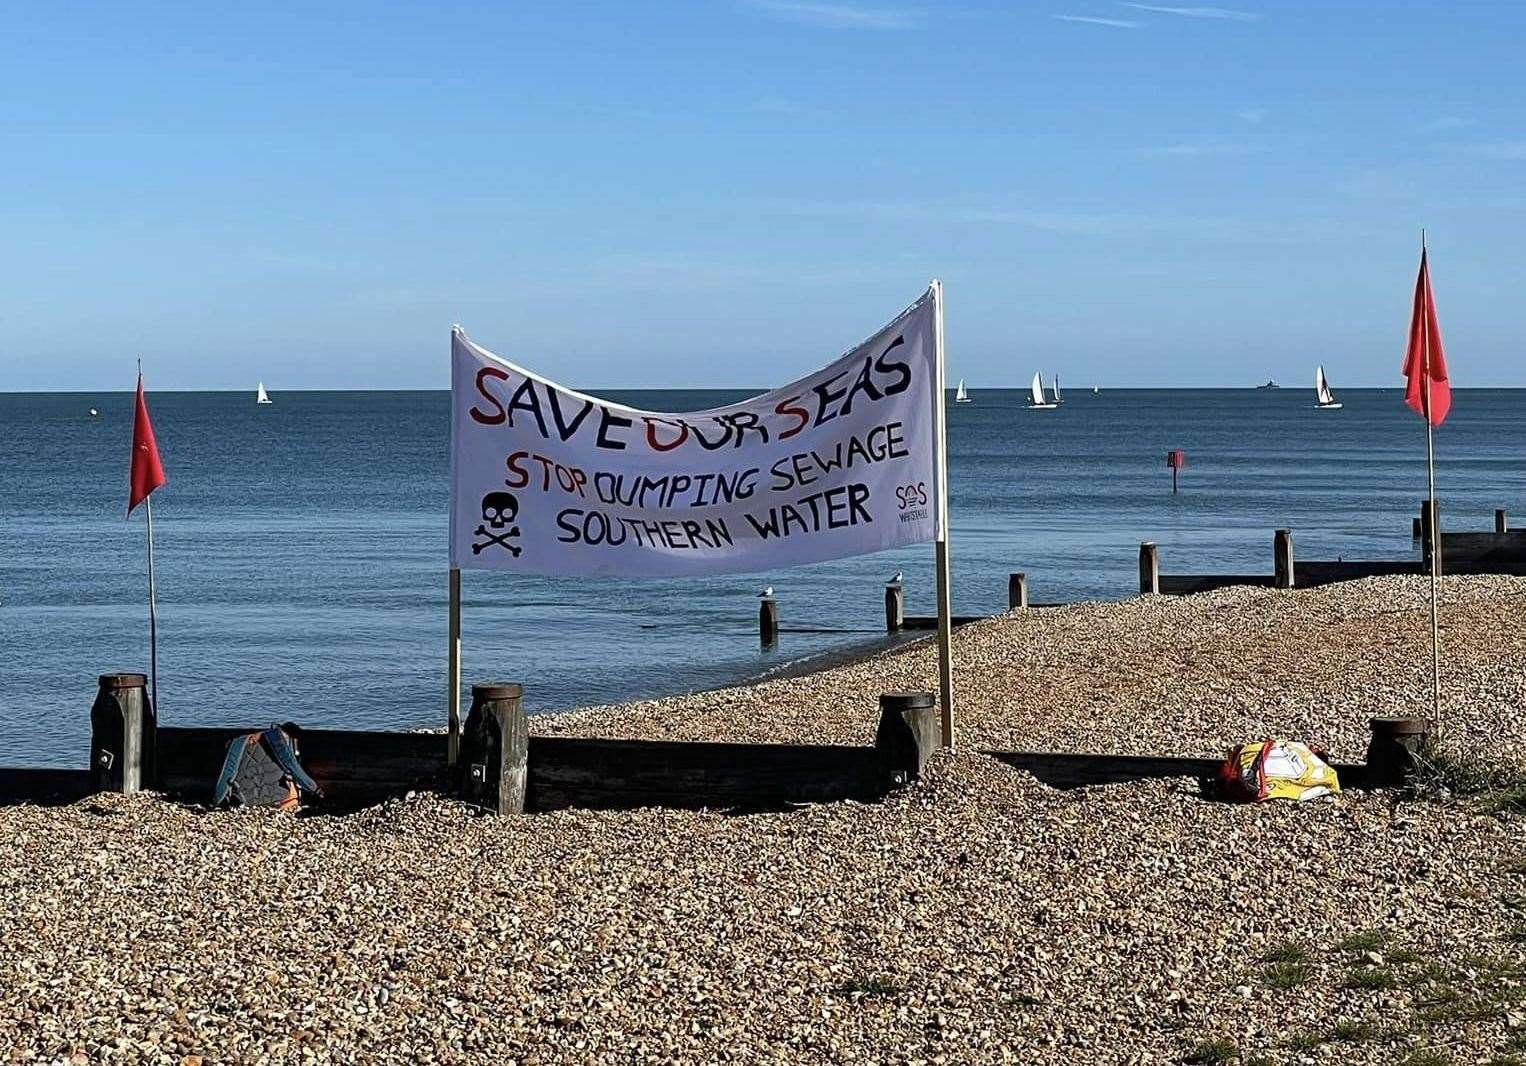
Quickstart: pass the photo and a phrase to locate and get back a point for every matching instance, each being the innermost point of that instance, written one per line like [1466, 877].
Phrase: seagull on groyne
[896, 579]
[768, 590]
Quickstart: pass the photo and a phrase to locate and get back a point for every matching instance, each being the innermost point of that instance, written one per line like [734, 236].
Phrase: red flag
[1430, 394]
[147, 472]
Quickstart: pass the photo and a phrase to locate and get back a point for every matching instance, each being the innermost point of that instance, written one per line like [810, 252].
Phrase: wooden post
[123, 736]
[1017, 591]
[1282, 559]
[895, 607]
[768, 619]
[1425, 528]
[1396, 747]
[495, 749]
[909, 732]
[1500, 523]
[1414, 529]
[1149, 569]
[453, 674]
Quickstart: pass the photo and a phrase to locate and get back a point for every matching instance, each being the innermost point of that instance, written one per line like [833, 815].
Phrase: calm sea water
[301, 557]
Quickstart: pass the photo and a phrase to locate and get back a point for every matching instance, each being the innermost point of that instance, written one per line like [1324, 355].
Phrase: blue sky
[731, 192]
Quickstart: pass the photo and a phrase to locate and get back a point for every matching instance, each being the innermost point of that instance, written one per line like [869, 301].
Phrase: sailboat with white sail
[1057, 400]
[1036, 399]
[260, 395]
[960, 395]
[1324, 399]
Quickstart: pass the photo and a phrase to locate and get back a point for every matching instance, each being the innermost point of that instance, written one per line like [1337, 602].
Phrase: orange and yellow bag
[1276, 769]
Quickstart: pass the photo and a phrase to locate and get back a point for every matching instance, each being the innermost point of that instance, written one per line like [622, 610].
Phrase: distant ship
[260, 395]
[1269, 385]
[961, 396]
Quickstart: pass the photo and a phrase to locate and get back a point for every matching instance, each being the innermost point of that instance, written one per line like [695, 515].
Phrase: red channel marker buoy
[1175, 459]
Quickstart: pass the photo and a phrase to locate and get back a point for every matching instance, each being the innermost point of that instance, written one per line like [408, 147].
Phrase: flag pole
[153, 614]
[1430, 470]
[940, 463]
[145, 473]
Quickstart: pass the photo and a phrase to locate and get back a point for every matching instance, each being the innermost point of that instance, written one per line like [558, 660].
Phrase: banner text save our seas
[557, 417]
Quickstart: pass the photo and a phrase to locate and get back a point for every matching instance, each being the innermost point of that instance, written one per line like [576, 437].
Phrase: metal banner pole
[945, 609]
[453, 671]
[453, 651]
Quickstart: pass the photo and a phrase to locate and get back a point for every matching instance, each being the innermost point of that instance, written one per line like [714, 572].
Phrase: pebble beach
[977, 916]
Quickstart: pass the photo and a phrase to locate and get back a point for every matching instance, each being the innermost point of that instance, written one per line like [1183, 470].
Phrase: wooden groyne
[504, 770]
[501, 767]
[1499, 552]
[1287, 572]
[43, 784]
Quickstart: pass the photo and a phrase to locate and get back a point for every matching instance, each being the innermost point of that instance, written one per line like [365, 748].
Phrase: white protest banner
[545, 480]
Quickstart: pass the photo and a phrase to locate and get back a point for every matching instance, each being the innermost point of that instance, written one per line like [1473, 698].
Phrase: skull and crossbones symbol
[499, 509]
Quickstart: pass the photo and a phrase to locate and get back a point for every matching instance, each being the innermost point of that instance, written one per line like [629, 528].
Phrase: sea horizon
[750, 389]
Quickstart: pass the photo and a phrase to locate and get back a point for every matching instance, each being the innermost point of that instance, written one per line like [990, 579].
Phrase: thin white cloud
[619, 111]
[1047, 221]
[840, 15]
[1038, 218]
[1443, 123]
[1205, 150]
[662, 270]
[1376, 183]
[1126, 24]
[1500, 150]
[1252, 114]
[780, 105]
[1225, 13]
